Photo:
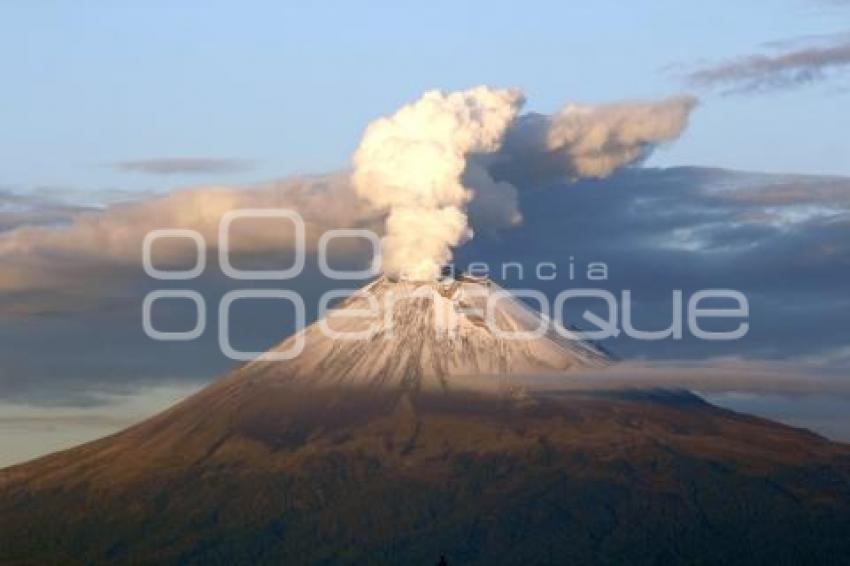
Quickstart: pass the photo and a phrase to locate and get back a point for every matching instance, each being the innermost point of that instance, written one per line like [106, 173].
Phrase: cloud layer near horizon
[713, 377]
[809, 396]
[95, 250]
[782, 240]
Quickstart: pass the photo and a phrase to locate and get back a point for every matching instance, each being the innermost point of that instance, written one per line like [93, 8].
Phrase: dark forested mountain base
[278, 474]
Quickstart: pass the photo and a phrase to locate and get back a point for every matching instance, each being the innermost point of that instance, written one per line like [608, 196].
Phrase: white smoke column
[410, 164]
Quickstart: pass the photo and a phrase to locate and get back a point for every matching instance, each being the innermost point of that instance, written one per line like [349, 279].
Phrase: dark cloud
[784, 241]
[185, 165]
[689, 229]
[798, 65]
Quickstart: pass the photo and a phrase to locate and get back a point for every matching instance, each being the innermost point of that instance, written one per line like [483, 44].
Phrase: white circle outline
[493, 326]
[224, 243]
[224, 325]
[331, 273]
[182, 275]
[325, 312]
[182, 335]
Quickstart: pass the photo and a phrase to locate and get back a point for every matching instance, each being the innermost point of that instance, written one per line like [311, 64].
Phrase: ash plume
[588, 140]
[410, 165]
[448, 155]
[421, 177]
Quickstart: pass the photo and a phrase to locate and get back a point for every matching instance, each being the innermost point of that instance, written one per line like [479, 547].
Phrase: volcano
[424, 334]
[418, 441]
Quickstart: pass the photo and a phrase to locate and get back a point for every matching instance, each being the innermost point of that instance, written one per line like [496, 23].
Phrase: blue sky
[290, 86]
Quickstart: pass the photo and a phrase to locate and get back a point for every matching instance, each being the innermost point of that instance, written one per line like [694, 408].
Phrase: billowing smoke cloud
[423, 165]
[595, 140]
[581, 141]
[421, 177]
[410, 165]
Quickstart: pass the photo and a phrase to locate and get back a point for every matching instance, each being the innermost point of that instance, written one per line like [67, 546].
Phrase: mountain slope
[419, 334]
[322, 461]
[280, 473]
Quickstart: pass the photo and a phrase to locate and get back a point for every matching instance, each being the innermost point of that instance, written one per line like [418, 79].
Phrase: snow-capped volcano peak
[419, 333]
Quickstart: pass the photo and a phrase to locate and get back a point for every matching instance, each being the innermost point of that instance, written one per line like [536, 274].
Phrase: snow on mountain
[422, 334]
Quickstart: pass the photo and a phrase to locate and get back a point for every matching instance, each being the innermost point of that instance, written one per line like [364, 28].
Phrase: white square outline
[183, 335]
[147, 260]
[224, 324]
[325, 311]
[224, 243]
[493, 326]
[601, 334]
[331, 273]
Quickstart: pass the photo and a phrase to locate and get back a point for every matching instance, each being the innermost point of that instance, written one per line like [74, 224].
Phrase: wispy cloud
[30, 430]
[710, 376]
[185, 165]
[796, 66]
[32, 209]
